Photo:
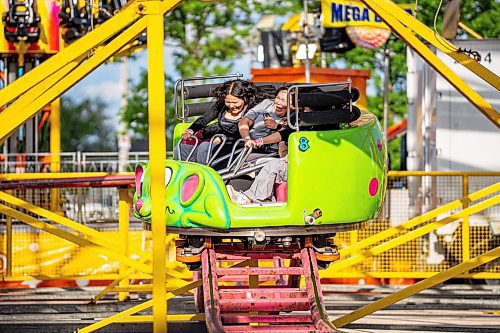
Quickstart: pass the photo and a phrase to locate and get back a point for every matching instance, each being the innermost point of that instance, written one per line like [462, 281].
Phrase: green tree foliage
[207, 37]
[85, 126]
[135, 114]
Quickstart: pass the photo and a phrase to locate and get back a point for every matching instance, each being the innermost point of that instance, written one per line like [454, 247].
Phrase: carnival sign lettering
[343, 13]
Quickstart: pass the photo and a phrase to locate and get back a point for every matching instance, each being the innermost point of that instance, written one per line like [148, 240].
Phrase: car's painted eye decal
[191, 187]
[139, 178]
[168, 176]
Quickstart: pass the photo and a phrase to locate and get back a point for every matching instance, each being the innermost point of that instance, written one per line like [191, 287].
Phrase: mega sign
[343, 13]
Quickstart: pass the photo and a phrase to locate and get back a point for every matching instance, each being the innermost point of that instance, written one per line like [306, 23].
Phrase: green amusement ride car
[336, 181]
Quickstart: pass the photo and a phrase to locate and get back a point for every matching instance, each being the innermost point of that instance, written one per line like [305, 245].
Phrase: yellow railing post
[465, 221]
[55, 150]
[8, 243]
[124, 228]
[157, 153]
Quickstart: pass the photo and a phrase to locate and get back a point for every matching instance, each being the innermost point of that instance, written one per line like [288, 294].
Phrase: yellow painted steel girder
[407, 275]
[435, 39]
[390, 232]
[407, 34]
[418, 287]
[128, 272]
[119, 316]
[470, 32]
[32, 101]
[157, 156]
[73, 238]
[357, 258]
[124, 228]
[173, 284]
[93, 234]
[81, 47]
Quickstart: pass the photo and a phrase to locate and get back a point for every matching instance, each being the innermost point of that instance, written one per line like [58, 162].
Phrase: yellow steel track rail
[95, 235]
[123, 227]
[158, 150]
[386, 13]
[74, 238]
[59, 175]
[87, 46]
[359, 257]
[126, 316]
[55, 85]
[128, 272]
[413, 289]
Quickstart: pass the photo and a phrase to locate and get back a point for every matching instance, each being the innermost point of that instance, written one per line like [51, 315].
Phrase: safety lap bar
[296, 87]
[178, 147]
[242, 172]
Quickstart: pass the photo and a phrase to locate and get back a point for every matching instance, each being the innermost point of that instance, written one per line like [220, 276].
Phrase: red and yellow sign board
[344, 13]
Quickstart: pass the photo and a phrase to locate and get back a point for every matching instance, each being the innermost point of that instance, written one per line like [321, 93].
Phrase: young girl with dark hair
[231, 101]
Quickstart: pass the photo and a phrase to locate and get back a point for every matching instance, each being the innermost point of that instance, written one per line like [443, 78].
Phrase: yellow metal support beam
[418, 287]
[8, 244]
[157, 153]
[390, 8]
[124, 228]
[55, 150]
[355, 259]
[465, 222]
[470, 31]
[429, 56]
[127, 273]
[390, 232]
[119, 316]
[93, 234]
[73, 238]
[20, 111]
[79, 48]
[173, 284]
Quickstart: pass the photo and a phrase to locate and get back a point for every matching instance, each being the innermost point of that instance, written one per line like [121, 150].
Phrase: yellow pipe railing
[418, 287]
[411, 235]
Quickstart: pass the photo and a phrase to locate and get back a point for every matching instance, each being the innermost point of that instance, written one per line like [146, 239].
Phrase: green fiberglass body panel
[340, 172]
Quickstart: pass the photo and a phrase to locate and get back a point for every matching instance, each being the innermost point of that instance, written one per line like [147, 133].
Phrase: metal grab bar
[182, 82]
[295, 126]
[210, 158]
